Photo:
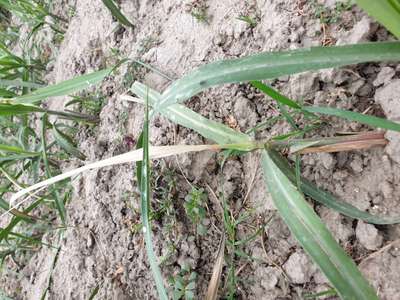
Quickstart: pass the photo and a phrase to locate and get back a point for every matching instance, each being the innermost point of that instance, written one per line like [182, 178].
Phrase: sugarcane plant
[284, 182]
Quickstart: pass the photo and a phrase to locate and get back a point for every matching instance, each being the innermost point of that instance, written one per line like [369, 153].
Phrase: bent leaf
[313, 235]
[186, 117]
[269, 65]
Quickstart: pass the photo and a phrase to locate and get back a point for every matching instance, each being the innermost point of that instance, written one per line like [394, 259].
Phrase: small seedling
[184, 284]
[90, 103]
[249, 20]
[198, 10]
[194, 207]
[330, 15]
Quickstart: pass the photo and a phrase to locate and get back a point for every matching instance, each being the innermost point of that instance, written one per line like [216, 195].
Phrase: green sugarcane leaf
[387, 12]
[186, 117]
[269, 65]
[313, 235]
[327, 198]
[145, 209]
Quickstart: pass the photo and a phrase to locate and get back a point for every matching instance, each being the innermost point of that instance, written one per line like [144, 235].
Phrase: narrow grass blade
[58, 200]
[270, 65]
[327, 293]
[387, 12]
[50, 278]
[354, 116]
[145, 209]
[139, 145]
[66, 143]
[18, 109]
[327, 198]
[312, 234]
[15, 220]
[95, 291]
[116, 12]
[16, 157]
[300, 146]
[186, 117]
[4, 93]
[15, 149]
[133, 156]
[63, 88]
[212, 291]
[4, 205]
[19, 83]
[275, 95]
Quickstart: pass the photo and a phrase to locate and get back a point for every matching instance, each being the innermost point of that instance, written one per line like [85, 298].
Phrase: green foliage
[270, 65]
[184, 284]
[312, 234]
[249, 20]
[195, 208]
[330, 15]
[354, 116]
[89, 103]
[116, 12]
[200, 14]
[63, 88]
[387, 12]
[66, 142]
[145, 207]
[28, 151]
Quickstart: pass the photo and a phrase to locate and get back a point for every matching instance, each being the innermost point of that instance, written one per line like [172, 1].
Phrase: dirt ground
[102, 245]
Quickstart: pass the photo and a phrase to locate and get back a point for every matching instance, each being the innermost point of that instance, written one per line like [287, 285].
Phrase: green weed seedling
[249, 20]
[195, 209]
[184, 284]
[330, 15]
[90, 103]
[198, 10]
